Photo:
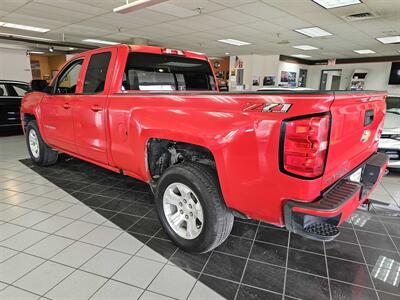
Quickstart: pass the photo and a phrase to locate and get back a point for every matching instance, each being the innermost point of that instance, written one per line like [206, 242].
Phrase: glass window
[19, 89]
[393, 106]
[3, 90]
[96, 73]
[155, 72]
[66, 82]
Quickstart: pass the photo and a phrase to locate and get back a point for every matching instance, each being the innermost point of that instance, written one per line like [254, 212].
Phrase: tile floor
[76, 231]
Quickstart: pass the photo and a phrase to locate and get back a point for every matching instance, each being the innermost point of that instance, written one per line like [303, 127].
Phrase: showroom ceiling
[267, 26]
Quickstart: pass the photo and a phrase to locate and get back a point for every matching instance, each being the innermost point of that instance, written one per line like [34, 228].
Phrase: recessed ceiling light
[234, 42]
[313, 32]
[364, 51]
[336, 3]
[94, 41]
[174, 10]
[199, 53]
[35, 52]
[227, 53]
[301, 56]
[136, 5]
[389, 39]
[305, 47]
[23, 27]
[25, 37]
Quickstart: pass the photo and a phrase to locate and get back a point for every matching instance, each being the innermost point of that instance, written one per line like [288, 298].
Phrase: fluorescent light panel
[389, 39]
[136, 5]
[95, 41]
[25, 37]
[23, 27]
[301, 56]
[313, 32]
[336, 3]
[234, 42]
[36, 52]
[364, 51]
[173, 10]
[305, 47]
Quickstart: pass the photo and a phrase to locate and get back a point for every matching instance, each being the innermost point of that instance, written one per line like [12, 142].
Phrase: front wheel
[39, 152]
[191, 208]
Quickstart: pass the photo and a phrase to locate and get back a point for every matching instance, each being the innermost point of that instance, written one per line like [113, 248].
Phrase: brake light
[172, 51]
[305, 146]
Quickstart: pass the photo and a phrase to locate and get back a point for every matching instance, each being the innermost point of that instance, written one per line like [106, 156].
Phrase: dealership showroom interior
[200, 149]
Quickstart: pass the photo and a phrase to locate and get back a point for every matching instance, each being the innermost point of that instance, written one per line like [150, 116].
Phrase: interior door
[90, 109]
[330, 80]
[57, 105]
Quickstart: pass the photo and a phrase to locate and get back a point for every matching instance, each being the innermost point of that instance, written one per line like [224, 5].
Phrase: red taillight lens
[305, 146]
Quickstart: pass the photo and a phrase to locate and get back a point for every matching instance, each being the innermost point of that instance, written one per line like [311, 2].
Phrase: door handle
[66, 106]
[96, 108]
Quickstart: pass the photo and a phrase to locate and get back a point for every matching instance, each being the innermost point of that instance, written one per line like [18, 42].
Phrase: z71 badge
[268, 107]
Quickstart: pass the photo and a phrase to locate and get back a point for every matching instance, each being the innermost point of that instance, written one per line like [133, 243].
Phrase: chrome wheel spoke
[172, 198]
[191, 228]
[177, 219]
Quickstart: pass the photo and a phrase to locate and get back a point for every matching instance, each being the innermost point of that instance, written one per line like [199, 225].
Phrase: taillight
[304, 146]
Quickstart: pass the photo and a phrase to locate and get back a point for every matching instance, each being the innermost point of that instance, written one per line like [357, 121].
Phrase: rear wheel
[39, 152]
[191, 208]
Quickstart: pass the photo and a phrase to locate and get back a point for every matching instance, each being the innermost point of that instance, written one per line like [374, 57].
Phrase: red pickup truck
[305, 160]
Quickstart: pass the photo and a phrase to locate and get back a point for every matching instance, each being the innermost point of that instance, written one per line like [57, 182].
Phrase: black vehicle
[11, 93]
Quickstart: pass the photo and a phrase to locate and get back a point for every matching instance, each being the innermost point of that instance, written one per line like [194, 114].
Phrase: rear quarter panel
[245, 145]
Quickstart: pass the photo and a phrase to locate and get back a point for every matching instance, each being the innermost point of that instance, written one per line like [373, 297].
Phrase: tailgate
[357, 121]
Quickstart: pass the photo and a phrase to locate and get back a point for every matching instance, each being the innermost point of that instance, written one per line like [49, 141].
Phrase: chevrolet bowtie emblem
[365, 136]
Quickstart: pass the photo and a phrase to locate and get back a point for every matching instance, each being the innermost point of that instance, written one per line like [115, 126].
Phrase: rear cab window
[158, 72]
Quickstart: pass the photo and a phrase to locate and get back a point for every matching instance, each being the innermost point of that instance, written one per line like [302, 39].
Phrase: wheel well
[162, 153]
[28, 118]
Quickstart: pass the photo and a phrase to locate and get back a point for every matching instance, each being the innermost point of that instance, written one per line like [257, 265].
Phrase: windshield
[393, 105]
[158, 72]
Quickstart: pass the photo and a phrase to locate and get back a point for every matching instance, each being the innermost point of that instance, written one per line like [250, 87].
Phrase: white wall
[377, 78]
[270, 65]
[15, 65]
[263, 65]
[290, 67]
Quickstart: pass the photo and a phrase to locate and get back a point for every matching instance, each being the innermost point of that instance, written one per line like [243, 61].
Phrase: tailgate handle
[368, 117]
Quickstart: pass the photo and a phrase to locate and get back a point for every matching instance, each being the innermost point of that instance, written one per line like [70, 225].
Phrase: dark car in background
[11, 93]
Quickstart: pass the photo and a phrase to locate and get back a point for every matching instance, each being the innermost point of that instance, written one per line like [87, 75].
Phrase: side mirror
[38, 85]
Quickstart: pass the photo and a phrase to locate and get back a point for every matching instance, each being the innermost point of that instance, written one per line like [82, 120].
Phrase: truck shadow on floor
[257, 261]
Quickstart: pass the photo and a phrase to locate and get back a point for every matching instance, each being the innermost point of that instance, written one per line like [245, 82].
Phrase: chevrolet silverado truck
[305, 160]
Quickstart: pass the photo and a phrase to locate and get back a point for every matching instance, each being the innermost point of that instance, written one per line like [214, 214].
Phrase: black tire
[47, 156]
[218, 220]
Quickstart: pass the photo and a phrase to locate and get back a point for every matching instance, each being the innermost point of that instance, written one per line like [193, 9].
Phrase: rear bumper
[337, 203]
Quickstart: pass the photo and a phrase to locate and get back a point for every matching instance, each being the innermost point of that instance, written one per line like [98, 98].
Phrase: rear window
[156, 72]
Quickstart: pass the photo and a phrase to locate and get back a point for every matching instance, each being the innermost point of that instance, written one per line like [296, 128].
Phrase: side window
[3, 90]
[19, 89]
[66, 82]
[96, 73]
